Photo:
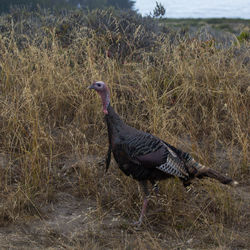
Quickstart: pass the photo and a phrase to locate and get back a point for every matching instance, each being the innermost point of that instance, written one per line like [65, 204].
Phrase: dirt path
[73, 223]
[64, 222]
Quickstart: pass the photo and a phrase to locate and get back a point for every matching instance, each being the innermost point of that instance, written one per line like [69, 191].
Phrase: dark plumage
[146, 157]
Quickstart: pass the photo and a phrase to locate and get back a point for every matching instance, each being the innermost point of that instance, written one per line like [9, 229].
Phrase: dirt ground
[70, 222]
[62, 223]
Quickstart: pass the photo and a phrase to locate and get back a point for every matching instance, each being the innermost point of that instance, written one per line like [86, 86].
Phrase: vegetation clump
[244, 36]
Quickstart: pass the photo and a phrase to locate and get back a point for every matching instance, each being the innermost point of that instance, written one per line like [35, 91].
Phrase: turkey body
[142, 155]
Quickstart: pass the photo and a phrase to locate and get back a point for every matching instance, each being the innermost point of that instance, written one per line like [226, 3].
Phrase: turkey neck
[114, 122]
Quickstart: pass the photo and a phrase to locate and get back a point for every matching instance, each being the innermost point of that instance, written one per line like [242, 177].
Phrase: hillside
[188, 85]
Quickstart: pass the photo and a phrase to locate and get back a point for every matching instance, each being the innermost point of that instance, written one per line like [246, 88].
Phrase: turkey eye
[99, 85]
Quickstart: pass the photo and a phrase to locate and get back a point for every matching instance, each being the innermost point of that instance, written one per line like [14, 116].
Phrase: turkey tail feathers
[198, 170]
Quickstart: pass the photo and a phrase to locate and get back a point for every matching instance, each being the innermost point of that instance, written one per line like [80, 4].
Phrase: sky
[198, 8]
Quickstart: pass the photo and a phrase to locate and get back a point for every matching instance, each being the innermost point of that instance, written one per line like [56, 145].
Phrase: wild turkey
[146, 157]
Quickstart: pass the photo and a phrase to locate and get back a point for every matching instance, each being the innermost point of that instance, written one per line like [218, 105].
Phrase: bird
[145, 157]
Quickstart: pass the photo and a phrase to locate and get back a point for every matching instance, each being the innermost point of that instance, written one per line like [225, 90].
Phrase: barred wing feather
[149, 151]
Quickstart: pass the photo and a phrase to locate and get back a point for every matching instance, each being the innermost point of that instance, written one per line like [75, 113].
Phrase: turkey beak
[91, 86]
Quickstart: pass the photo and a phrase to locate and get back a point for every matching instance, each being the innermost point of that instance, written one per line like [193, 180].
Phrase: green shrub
[244, 36]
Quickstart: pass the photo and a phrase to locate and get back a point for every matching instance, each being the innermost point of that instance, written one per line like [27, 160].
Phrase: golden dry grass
[53, 139]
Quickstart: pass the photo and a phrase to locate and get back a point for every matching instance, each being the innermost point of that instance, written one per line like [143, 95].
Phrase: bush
[244, 36]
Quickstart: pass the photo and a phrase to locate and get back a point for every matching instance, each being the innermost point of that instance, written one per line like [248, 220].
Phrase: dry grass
[53, 138]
